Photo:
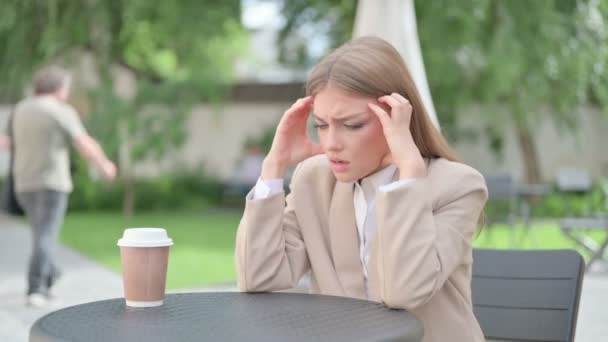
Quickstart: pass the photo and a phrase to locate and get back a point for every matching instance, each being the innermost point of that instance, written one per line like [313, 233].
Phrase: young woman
[379, 210]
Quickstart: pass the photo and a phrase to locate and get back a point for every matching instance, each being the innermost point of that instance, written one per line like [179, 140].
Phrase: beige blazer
[421, 254]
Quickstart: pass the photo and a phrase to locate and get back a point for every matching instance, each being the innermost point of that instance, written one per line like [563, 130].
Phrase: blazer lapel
[344, 240]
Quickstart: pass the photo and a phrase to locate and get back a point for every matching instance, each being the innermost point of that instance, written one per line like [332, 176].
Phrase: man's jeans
[45, 210]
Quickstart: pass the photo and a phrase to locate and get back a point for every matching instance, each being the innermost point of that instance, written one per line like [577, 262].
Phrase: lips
[339, 165]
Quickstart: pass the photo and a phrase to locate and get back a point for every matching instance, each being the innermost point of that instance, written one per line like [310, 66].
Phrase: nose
[333, 142]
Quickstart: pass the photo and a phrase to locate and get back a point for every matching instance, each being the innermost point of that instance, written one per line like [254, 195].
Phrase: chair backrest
[500, 187]
[527, 295]
[573, 183]
[571, 179]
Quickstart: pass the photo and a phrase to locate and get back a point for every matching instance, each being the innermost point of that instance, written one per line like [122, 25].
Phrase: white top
[364, 201]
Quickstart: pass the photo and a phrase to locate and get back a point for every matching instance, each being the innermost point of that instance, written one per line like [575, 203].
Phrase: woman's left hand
[396, 126]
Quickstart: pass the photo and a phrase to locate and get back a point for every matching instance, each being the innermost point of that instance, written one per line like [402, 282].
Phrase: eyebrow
[342, 118]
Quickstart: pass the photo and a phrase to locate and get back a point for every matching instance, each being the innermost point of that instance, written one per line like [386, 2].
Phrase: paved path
[84, 281]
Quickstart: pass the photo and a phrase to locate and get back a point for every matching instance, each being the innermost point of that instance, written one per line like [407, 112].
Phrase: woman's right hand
[291, 143]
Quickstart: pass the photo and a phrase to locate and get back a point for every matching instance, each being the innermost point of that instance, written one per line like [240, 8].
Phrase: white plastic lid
[145, 237]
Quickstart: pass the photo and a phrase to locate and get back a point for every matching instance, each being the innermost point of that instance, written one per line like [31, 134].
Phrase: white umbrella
[395, 21]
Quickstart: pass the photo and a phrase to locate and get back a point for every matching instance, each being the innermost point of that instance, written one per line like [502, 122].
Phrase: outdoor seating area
[580, 210]
[573, 183]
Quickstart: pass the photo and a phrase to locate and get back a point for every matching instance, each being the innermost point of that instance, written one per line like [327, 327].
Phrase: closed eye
[320, 125]
[354, 127]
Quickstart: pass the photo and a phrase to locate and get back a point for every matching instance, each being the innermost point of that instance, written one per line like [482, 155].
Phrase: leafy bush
[557, 204]
[169, 191]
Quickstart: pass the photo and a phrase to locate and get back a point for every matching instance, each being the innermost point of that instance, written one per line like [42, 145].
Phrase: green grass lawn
[541, 235]
[203, 250]
[202, 254]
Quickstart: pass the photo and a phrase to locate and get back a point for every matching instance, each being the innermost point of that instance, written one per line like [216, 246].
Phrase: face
[350, 134]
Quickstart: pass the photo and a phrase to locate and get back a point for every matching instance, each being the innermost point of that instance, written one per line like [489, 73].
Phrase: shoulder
[64, 109]
[24, 104]
[443, 169]
[451, 180]
[66, 117]
[47, 104]
[313, 172]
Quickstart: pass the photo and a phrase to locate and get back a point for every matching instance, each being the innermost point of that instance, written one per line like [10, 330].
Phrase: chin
[345, 177]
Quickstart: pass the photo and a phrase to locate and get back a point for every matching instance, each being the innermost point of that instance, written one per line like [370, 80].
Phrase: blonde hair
[370, 66]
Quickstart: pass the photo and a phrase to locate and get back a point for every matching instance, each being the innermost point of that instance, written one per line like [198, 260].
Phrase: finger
[382, 115]
[301, 108]
[400, 98]
[395, 101]
[298, 104]
[298, 112]
[399, 105]
[301, 99]
[390, 101]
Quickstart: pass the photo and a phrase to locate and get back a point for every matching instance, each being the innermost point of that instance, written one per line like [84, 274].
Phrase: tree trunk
[128, 202]
[126, 172]
[528, 152]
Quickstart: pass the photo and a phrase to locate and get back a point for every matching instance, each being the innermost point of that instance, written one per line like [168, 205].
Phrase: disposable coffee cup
[144, 254]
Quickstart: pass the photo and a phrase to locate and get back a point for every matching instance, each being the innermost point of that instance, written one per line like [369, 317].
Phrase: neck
[56, 96]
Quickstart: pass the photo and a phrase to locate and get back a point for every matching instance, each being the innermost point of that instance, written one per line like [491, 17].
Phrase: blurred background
[184, 95]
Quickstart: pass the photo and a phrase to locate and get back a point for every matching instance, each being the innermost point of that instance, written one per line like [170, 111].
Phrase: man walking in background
[43, 128]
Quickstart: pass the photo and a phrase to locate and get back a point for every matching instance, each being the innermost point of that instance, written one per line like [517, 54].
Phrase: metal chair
[572, 182]
[527, 295]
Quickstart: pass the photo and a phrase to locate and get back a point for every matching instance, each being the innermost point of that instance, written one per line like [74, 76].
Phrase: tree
[516, 59]
[313, 19]
[179, 51]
